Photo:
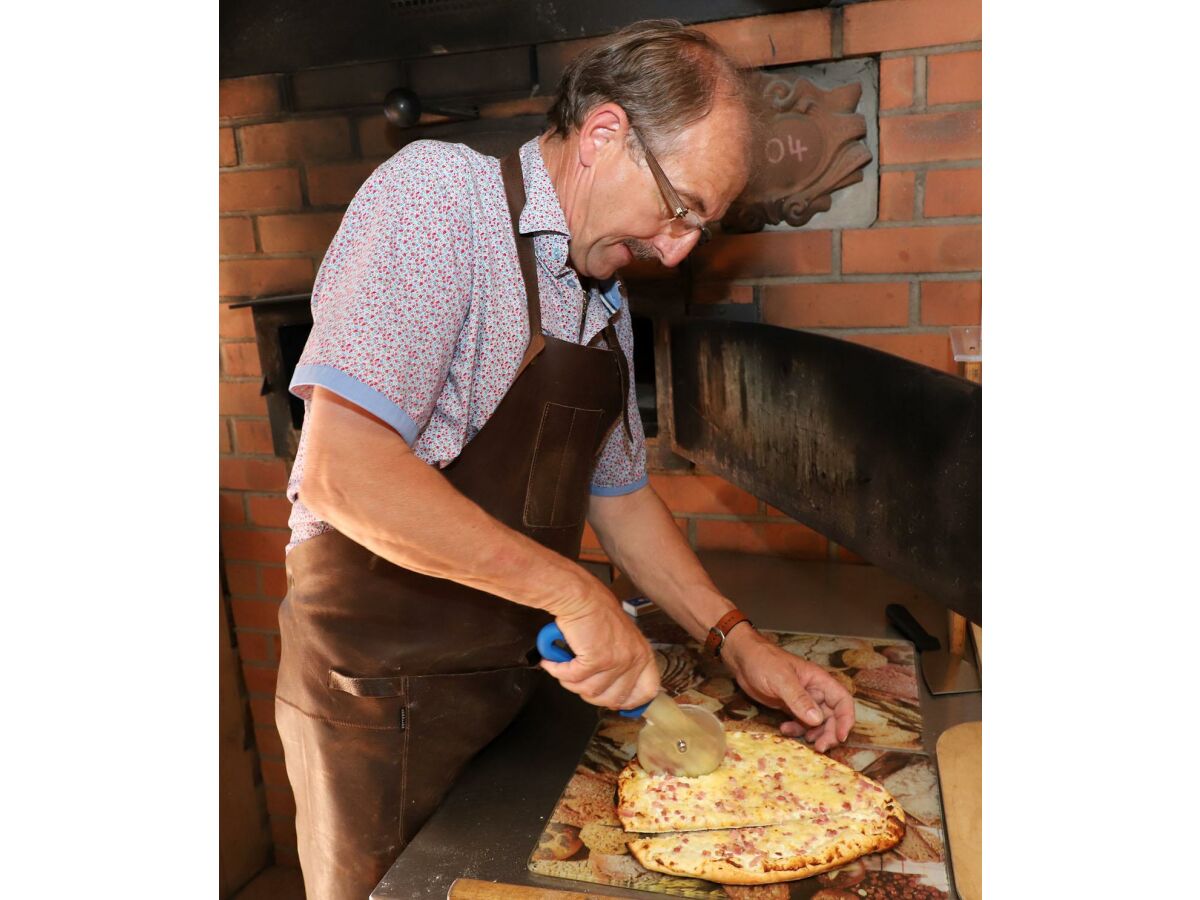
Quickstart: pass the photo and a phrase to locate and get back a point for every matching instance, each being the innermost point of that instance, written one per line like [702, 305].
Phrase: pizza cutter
[677, 739]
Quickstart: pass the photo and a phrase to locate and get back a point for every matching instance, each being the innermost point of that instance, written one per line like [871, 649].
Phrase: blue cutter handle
[560, 652]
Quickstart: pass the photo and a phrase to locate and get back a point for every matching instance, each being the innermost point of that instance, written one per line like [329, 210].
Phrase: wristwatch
[717, 634]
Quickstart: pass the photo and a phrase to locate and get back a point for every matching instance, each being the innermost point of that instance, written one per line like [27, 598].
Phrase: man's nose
[673, 250]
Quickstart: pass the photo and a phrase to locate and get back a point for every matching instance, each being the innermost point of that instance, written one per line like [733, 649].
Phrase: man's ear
[603, 132]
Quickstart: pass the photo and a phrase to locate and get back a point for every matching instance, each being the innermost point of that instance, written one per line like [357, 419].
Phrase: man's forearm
[394, 504]
[640, 536]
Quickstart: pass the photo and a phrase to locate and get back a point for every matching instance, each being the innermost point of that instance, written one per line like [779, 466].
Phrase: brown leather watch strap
[718, 633]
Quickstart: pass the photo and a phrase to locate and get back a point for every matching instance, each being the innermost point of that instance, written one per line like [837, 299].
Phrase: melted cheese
[765, 779]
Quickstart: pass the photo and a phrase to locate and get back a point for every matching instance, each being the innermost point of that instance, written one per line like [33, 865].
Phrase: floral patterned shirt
[419, 309]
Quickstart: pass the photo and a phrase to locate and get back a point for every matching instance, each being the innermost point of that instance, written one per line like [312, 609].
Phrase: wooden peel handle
[473, 889]
[956, 634]
[956, 638]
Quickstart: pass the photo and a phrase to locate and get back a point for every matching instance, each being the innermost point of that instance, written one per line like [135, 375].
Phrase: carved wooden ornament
[810, 147]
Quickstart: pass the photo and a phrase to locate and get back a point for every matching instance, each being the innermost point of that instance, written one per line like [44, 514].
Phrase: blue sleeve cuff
[359, 394]
[607, 490]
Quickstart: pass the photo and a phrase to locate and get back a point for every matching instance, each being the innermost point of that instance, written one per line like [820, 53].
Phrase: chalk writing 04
[778, 148]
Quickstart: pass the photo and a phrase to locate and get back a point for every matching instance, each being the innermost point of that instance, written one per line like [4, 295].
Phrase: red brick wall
[285, 179]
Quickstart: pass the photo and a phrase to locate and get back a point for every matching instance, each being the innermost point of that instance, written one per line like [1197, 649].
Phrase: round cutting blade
[691, 744]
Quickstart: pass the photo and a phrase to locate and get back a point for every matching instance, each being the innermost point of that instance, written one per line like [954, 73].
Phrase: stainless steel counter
[489, 823]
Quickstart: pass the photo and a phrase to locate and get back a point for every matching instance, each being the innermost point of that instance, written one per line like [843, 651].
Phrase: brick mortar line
[932, 165]
[254, 457]
[295, 165]
[919, 195]
[928, 223]
[919, 84]
[954, 107]
[257, 595]
[943, 221]
[866, 278]
[261, 167]
[869, 329]
[277, 254]
[284, 91]
[931, 109]
[323, 209]
[871, 278]
[914, 304]
[937, 50]
[303, 172]
[285, 163]
[734, 517]
[836, 253]
[285, 116]
[837, 27]
[264, 211]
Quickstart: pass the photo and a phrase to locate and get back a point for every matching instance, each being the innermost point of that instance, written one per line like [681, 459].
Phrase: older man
[469, 404]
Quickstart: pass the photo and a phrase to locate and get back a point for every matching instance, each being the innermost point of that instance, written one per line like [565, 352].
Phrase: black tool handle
[899, 616]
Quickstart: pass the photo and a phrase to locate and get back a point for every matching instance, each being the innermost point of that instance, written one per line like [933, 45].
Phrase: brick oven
[294, 147]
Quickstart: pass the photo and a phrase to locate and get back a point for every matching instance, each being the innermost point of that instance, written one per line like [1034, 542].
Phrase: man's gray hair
[664, 75]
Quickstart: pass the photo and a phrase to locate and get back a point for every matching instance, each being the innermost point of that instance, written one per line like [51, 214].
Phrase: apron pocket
[378, 703]
[450, 718]
[556, 496]
[388, 686]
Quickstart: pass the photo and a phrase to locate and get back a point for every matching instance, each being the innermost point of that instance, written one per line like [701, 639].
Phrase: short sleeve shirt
[419, 309]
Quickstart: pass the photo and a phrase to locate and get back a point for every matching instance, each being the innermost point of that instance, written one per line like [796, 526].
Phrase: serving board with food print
[583, 839]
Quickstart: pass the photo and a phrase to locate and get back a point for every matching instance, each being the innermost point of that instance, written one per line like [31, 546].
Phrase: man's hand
[613, 665]
[823, 709]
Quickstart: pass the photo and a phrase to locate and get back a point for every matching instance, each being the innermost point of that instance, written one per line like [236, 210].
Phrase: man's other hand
[823, 709]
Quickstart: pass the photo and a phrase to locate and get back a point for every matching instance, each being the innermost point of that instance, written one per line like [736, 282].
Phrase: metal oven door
[879, 454]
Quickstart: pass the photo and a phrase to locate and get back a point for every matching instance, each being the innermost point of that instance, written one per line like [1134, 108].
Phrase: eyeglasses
[680, 214]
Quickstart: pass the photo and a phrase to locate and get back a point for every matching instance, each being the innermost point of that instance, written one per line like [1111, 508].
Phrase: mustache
[640, 249]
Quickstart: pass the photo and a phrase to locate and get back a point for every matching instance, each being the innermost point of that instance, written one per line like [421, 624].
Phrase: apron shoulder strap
[614, 344]
[514, 190]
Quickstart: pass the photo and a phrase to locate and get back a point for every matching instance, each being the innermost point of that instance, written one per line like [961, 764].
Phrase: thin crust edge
[723, 873]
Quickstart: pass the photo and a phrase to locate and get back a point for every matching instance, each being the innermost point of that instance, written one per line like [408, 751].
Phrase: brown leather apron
[390, 681]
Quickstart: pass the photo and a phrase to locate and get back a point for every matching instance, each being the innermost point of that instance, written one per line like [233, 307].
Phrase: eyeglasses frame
[674, 202]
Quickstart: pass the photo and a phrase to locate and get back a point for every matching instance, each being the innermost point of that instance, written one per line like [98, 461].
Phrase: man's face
[624, 216]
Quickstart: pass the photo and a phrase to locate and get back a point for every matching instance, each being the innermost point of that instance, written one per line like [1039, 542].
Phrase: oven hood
[283, 36]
